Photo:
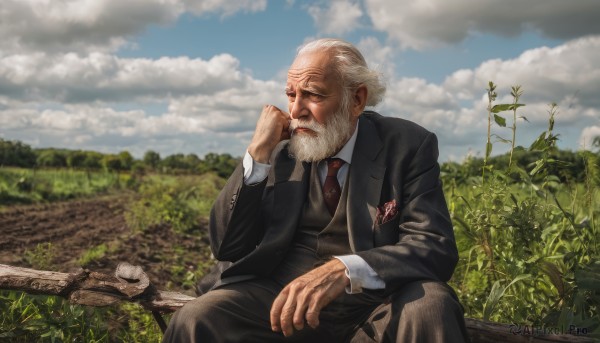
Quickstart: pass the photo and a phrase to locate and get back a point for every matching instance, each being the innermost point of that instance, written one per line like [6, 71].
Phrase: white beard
[329, 139]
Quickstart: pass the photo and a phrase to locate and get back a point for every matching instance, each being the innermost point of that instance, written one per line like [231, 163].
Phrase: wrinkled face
[313, 89]
[321, 121]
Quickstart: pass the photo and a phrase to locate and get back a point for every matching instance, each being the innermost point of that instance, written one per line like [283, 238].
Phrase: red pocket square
[386, 212]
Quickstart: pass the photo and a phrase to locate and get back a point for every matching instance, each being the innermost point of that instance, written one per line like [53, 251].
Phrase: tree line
[18, 154]
[566, 165]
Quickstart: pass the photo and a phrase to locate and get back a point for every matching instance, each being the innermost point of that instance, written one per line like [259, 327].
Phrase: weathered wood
[489, 332]
[92, 288]
[132, 284]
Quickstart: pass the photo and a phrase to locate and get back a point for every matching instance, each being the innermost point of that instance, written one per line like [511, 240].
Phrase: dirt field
[76, 226]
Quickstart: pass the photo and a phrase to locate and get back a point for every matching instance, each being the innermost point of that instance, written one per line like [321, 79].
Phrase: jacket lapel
[364, 186]
[289, 193]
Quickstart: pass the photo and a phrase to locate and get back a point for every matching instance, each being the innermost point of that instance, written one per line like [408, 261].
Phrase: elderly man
[335, 227]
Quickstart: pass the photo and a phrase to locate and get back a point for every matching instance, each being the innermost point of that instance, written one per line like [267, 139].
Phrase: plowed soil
[74, 227]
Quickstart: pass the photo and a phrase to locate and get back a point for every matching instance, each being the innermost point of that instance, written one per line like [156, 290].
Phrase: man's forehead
[312, 67]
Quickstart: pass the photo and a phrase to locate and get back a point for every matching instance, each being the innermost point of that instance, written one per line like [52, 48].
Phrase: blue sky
[182, 76]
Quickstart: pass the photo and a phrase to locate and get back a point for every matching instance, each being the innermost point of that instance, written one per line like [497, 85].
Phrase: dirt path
[74, 227]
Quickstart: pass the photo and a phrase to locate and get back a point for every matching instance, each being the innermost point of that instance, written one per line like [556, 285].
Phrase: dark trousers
[424, 311]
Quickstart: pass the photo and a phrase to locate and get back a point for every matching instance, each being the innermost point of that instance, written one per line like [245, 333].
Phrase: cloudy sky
[190, 76]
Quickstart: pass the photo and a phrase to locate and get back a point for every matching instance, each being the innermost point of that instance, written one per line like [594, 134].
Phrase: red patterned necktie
[331, 187]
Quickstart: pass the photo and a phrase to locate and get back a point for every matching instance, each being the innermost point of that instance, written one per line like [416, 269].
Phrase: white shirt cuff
[254, 172]
[360, 273]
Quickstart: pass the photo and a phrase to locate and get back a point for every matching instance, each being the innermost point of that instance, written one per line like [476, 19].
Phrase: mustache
[311, 125]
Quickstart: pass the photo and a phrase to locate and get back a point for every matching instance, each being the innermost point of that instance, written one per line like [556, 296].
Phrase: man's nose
[298, 108]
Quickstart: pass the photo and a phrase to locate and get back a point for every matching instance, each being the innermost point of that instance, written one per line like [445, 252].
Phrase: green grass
[27, 186]
[177, 201]
[93, 254]
[37, 318]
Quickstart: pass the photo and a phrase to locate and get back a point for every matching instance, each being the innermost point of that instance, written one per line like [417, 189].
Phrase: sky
[191, 76]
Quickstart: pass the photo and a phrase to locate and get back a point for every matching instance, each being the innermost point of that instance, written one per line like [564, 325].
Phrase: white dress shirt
[359, 272]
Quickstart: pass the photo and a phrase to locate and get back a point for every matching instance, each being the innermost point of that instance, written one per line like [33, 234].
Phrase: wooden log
[96, 289]
[91, 288]
[488, 332]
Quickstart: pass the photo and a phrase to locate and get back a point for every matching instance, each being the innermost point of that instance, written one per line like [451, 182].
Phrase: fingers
[271, 128]
[287, 312]
[302, 300]
[276, 309]
[312, 315]
[297, 303]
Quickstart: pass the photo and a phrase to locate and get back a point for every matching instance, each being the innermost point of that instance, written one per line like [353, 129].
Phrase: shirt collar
[346, 152]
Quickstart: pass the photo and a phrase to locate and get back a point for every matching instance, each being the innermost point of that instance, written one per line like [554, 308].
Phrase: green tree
[193, 162]
[222, 164]
[51, 158]
[125, 159]
[76, 159]
[111, 163]
[174, 162]
[151, 159]
[15, 153]
[93, 160]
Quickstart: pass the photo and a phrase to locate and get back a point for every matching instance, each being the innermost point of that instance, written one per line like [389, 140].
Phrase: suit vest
[319, 236]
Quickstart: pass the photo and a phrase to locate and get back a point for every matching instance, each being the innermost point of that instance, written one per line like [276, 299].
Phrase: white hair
[351, 68]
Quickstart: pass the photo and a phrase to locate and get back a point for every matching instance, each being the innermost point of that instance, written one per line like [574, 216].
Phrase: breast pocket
[386, 233]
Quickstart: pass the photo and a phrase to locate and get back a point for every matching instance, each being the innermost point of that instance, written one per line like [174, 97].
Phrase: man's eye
[314, 96]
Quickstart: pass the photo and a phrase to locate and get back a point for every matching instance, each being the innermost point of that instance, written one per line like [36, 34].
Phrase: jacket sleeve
[425, 248]
[235, 224]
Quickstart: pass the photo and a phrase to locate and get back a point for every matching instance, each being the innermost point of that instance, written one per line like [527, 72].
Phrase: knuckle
[286, 322]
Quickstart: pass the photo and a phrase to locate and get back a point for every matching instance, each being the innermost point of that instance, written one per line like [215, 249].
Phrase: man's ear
[359, 100]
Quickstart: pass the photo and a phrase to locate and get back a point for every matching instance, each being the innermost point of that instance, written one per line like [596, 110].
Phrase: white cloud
[96, 25]
[588, 135]
[342, 16]
[568, 74]
[72, 78]
[420, 24]
[456, 109]
[225, 7]
[378, 56]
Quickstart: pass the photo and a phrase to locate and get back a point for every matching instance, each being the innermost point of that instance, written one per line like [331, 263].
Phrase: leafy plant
[42, 257]
[528, 240]
[93, 254]
[179, 202]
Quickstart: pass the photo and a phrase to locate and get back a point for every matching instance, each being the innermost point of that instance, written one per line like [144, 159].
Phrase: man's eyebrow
[307, 85]
[313, 89]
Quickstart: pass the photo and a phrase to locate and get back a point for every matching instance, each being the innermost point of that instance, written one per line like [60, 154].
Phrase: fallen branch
[130, 283]
[92, 288]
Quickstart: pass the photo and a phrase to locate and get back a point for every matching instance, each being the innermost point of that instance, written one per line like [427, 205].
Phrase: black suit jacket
[252, 226]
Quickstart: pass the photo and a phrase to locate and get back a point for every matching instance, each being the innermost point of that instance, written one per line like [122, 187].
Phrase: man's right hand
[271, 128]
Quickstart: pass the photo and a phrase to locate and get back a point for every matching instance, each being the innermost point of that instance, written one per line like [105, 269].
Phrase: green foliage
[18, 154]
[179, 202]
[222, 164]
[30, 185]
[139, 326]
[151, 159]
[37, 318]
[51, 158]
[93, 254]
[32, 318]
[527, 232]
[15, 153]
[42, 257]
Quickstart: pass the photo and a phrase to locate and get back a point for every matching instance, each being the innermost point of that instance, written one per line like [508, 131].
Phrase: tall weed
[528, 241]
[177, 201]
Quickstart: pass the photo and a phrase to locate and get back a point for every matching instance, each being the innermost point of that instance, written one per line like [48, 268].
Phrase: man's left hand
[303, 298]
